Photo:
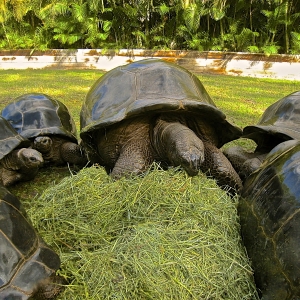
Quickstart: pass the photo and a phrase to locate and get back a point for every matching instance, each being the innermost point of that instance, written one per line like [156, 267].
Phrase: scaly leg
[73, 153]
[244, 162]
[220, 168]
[135, 158]
[126, 149]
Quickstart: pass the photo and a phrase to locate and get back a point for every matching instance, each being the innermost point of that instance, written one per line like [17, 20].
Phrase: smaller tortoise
[152, 110]
[269, 210]
[280, 122]
[48, 124]
[17, 161]
[27, 264]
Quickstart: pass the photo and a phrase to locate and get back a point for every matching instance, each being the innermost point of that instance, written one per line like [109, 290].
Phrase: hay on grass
[160, 236]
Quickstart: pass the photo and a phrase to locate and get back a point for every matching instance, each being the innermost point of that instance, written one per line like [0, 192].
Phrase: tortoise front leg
[50, 287]
[179, 145]
[9, 177]
[244, 162]
[220, 168]
[73, 153]
[126, 148]
[135, 158]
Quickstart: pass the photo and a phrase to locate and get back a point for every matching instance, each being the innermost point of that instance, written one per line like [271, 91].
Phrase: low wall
[240, 64]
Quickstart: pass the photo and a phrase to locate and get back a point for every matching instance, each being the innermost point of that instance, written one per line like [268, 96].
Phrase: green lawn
[243, 99]
[159, 236]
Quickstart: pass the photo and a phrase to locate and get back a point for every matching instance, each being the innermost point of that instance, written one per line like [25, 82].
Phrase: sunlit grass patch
[160, 236]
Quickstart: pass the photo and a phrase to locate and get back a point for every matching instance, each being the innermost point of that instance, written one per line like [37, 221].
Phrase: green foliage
[295, 42]
[244, 39]
[253, 49]
[270, 49]
[16, 41]
[225, 25]
[192, 17]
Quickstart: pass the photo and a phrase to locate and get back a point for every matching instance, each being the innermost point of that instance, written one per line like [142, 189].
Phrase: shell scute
[25, 260]
[38, 114]
[10, 139]
[281, 120]
[269, 211]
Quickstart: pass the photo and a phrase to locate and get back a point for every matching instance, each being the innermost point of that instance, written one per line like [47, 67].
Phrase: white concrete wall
[239, 64]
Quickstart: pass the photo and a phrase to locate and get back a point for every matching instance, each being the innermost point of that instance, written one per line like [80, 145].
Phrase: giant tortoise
[153, 110]
[280, 122]
[48, 123]
[27, 265]
[17, 161]
[269, 211]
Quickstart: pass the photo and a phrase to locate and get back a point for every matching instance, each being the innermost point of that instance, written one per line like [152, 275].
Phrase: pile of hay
[161, 236]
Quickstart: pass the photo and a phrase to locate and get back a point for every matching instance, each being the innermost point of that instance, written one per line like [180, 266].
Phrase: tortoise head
[42, 144]
[30, 158]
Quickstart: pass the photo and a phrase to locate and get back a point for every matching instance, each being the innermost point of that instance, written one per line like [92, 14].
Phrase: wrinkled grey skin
[20, 165]
[245, 162]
